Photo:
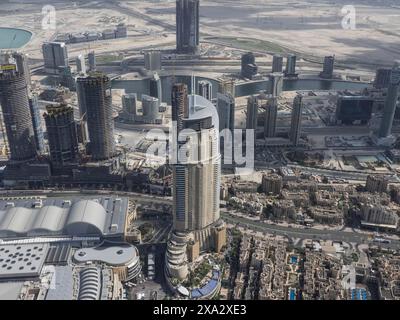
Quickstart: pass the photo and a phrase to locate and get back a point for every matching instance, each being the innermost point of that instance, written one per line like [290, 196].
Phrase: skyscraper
[252, 112]
[152, 60]
[67, 79]
[197, 175]
[80, 64]
[80, 93]
[17, 118]
[248, 65]
[391, 102]
[36, 122]
[226, 116]
[187, 26]
[226, 111]
[179, 104]
[92, 61]
[271, 112]
[22, 63]
[291, 66]
[196, 185]
[55, 56]
[227, 86]
[150, 107]
[382, 78]
[277, 63]
[96, 94]
[129, 103]
[295, 126]
[327, 71]
[205, 89]
[276, 80]
[156, 87]
[62, 136]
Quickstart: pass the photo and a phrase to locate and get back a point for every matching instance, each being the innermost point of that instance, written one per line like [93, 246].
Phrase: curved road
[335, 235]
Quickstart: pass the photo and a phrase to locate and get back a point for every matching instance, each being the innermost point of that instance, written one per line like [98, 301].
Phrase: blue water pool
[293, 260]
[11, 38]
[358, 294]
[292, 294]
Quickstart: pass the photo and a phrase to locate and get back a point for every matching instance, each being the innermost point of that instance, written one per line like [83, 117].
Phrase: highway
[335, 235]
[348, 175]
[139, 197]
[335, 130]
[344, 130]
[335, 174]
[310, 233]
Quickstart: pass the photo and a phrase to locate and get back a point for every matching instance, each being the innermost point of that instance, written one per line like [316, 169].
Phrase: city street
[310, 233]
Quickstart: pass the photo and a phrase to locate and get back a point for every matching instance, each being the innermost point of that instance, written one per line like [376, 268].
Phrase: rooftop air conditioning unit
[67, 202]
[38, 204]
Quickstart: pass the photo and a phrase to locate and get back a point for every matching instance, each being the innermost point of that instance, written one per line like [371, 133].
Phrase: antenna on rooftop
[193, 83]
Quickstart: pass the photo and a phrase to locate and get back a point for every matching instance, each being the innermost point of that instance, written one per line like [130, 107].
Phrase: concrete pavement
[335, 235]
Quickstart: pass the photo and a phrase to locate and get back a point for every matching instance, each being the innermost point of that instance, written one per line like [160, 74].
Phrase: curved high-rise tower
[95, 102]
[196, 176]
[62, 136]
[196, 184]
[391, 102]
[14, 102]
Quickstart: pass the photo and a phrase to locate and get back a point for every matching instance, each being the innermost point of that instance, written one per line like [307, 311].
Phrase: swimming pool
[292, 294]
[12, 38]
[358, 294]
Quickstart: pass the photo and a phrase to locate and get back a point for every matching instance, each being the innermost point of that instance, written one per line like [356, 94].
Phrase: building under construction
[96, 97]
[61, 133]
[17, 119]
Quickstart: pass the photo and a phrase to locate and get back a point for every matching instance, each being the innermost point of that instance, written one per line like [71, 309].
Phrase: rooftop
[115, 255]
[22, 261]
[56, 216]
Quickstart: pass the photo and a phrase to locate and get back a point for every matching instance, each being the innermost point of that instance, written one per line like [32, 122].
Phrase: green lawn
[252, 44]
[108, 58]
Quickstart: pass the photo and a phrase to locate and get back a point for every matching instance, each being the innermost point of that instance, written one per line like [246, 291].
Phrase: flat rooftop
[115, 255]
[22, 260]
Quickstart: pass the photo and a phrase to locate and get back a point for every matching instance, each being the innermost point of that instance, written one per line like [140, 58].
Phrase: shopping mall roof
[57, 216]
[22, 261]
[111, 254]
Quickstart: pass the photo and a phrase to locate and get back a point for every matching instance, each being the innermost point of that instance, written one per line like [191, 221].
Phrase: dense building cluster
[309, 201]
[270, 269]
[313, 213]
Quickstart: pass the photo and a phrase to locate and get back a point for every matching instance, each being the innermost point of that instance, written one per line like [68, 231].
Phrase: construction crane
[3, 133]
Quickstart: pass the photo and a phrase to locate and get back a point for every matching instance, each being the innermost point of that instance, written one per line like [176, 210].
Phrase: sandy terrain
[311, 27]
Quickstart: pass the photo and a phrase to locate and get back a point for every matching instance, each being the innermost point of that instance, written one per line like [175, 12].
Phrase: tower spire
[193, 84]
